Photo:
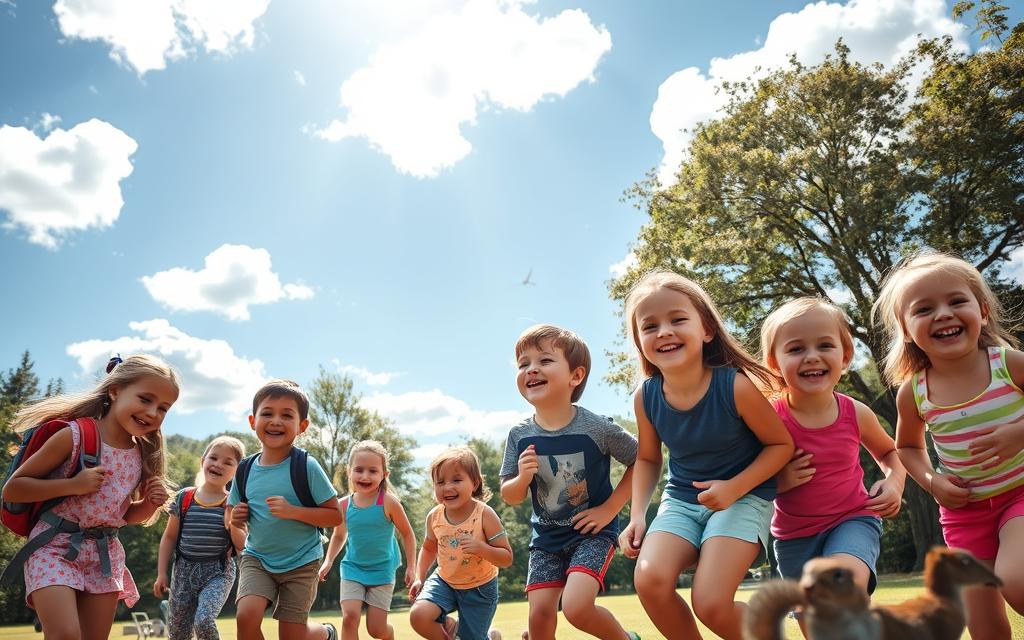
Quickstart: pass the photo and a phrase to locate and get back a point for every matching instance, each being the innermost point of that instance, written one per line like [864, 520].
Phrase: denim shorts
[746, 519]
[859, 537]
[476, 606]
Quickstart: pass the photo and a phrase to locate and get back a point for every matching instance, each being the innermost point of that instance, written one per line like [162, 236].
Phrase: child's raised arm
[910, 445]
[338, 539]
[777, 450]
[167, 542]
[428, 553]
[396, 513]
[645, 473]
[885, 496]
[515, 489]
[29, 483]
[495, 549]
[996, 445]
[326, 514]
[154, 496]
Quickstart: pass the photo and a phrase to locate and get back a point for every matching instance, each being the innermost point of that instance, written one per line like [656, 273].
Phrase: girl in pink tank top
[76, 573]
[822, 507]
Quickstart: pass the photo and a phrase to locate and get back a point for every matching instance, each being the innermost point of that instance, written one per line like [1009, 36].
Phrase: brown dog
[835, 608]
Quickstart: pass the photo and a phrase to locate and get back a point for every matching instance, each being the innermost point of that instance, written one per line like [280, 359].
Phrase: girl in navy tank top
[725, 446]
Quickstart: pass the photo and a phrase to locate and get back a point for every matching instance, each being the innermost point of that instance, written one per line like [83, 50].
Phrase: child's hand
[885, 498]
[997, 444]
[156, 492]
[160, 585]
[88, 481]
[472, 546]
[325, 569]
[631, 538]
[592, 520]
[528, 462]
[414, 589]
[718, 495]
[948, 490]
[797, 471]
[279, 507]
[410, 577]
[240, 515]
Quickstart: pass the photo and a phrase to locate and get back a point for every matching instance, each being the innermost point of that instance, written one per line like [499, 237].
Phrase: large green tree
[817, 179]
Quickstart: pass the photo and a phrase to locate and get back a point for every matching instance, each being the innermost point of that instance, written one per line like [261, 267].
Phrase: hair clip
[113, 362]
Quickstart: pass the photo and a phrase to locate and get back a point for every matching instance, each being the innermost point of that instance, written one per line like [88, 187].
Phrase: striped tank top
[954, 427]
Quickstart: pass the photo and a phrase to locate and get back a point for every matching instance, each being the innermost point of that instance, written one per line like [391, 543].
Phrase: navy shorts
[476, 606]
[859, 537]
[591, 556]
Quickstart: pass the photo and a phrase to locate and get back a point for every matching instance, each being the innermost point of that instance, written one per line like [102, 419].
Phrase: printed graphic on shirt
[561, 487]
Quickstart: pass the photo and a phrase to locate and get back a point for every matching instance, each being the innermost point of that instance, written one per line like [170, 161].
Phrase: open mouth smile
[950, 332]
[669, 348]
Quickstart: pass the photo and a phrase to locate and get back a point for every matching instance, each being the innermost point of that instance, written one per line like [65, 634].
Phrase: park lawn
[511, 616]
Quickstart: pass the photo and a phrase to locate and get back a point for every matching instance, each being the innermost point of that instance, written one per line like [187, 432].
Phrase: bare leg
[249, 617]
[351, 612]
[1009, 564]
[543, 612]
[377, 624]
[96, 614]
[723, 563]
[57, 608]
[423, 619]
[301, 631]
[579, 604]
[663, 557]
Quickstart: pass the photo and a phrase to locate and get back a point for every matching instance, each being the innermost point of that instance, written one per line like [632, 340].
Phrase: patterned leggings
[198, 593]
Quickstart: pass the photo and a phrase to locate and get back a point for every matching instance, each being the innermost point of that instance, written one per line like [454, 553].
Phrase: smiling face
[365, 472]
[277, 423]
[453, 486]
[140, 407]
[670, 330]
[543, 375]
[809, 352]
[219, 465]
[942, 316]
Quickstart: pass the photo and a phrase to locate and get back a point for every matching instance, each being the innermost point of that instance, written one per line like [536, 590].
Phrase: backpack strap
[300, 477]
[91, 445]
[186, 501]
[242, 475]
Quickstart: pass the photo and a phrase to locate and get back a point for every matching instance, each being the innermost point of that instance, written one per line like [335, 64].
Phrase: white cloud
[623, 266]
[1014, 267]
[234, 277]
[212, 376]
[65, 181]
[369, 377]
[412, 99]
[145, 35]
[433, 414]
[875, 31]
[47, 121]
[299, 78]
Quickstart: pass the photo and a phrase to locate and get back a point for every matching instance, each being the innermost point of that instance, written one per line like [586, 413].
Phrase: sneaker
[332, 633]
[493, 634]
[633, 635]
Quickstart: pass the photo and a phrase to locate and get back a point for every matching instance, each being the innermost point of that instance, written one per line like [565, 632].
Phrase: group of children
[754, 446]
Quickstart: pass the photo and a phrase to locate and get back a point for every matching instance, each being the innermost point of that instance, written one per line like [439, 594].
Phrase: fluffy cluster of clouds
[413, 98]
[61, 181]
[145, 35]
[233, 278]
[875, 30]
[433, 414]
[212, 375]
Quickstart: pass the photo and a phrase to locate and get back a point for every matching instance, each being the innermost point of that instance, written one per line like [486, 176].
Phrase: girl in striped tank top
[370, 516]
[959, 381]
[202, 546]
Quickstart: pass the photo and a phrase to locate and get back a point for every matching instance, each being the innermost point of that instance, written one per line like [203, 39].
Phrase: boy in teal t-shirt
[280, 563]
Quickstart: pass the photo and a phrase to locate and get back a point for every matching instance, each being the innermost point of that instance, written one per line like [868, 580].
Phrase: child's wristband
[497, 535]
[931, 481]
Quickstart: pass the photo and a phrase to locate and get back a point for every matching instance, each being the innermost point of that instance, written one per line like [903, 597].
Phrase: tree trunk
[923, 513]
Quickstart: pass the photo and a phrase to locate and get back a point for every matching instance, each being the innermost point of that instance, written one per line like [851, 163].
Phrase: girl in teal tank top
[372, 514]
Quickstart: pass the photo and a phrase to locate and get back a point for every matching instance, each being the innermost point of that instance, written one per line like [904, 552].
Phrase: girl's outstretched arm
[29, 483]
[777, 450]
[495, 549]
[396, 513]
[338, 538]
[167, 542]
[428, 553]
[327, 514]
[910, 445]
[885, 496]
[646, 472]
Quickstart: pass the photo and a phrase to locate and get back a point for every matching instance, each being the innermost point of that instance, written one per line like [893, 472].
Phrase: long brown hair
[723, 350]
[95, 404]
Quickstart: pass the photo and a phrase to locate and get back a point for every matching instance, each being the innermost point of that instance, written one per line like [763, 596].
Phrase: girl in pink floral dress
[75, 580]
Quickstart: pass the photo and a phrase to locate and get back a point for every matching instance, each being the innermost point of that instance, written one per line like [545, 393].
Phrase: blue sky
[260, 189]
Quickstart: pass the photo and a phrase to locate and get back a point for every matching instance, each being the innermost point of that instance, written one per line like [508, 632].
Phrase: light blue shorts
[859, 537]
[746, 519]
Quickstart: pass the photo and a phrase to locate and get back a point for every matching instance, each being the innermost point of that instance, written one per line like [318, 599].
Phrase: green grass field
[511, 616]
